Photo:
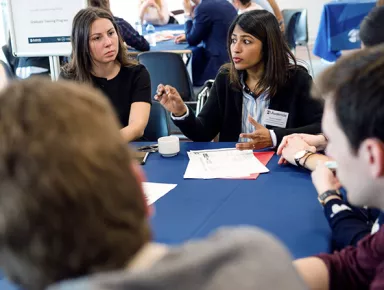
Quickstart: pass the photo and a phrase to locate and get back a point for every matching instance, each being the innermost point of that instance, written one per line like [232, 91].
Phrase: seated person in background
[73, 212]
[349, 224]
[25, 67]
[154, 12]
[104, 64]
[130, 36]
[271, 6]
[353, 120]
[262, 78]
[245, 6]
[208, 30]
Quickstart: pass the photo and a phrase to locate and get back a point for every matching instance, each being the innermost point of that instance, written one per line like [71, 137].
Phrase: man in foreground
[353, 120]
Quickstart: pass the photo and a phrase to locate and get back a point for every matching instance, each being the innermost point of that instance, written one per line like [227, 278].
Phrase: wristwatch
[322, 197]
[299, 155]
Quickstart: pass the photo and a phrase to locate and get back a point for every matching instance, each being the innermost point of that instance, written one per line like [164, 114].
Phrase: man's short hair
[372, 27]
[355, 84]
[70, 204]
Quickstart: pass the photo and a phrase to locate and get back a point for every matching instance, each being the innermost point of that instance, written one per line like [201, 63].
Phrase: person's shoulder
[135, 72]
[121, 21]
[250, 254]
[133, 69]
[298, 74]
[223, 75]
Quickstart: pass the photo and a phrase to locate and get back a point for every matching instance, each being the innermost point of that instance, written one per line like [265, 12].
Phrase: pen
[145, 158]
[148, 147]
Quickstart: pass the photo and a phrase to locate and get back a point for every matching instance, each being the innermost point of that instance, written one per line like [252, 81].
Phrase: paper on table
[153, 191]
[223, 163]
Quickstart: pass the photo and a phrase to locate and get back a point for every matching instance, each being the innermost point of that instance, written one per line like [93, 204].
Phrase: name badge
[275, 118]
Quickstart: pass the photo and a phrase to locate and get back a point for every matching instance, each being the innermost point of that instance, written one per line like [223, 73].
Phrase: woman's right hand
[170, 99]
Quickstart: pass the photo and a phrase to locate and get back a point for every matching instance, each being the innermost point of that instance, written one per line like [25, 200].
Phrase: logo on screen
[353, 35]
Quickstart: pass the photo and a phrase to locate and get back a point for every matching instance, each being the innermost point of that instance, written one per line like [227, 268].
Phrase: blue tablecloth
[282, 202]
[169, 45]
[339, 27]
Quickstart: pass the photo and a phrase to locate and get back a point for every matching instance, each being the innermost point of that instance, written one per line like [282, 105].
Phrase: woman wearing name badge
[261, 96]
[100, 59]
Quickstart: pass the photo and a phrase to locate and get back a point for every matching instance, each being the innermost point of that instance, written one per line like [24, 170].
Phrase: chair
[177, 12]
[174, 15]
[203, 95]
[296, 30]
[158, 124]
[12, 61]
[168, 68]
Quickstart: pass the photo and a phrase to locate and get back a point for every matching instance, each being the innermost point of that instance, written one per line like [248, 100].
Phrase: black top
[132, 84]
[222, 112]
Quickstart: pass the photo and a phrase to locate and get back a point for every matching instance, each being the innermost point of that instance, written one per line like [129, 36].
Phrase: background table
[282, 202]
[168, 45]
[339, 27]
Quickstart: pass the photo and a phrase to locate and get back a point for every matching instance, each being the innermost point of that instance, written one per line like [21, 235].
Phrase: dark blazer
[209, 30]
[222, 112]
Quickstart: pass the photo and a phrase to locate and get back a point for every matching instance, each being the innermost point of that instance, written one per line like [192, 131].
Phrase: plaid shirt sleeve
[131, 36]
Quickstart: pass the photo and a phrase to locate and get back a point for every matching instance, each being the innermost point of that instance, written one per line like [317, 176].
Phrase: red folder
[264, 157]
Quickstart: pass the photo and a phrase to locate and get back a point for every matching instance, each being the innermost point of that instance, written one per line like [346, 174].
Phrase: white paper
[223, 163]
[153, 191]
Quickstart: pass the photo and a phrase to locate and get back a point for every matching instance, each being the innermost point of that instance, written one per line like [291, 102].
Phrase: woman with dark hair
[261, 96]
[99, 58]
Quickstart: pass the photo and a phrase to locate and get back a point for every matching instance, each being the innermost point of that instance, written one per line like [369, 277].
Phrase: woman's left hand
[260, 138]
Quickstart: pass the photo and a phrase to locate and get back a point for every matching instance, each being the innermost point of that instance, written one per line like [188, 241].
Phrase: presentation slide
[42, 28]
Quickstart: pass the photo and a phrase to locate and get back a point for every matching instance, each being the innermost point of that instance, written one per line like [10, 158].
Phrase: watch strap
[322, 197]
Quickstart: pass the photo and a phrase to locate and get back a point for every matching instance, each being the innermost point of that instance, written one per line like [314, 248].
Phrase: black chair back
[158, 124]
[169, 69]
[290, 20]
[301, 34]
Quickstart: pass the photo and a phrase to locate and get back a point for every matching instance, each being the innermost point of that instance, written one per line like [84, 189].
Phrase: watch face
[300, 154]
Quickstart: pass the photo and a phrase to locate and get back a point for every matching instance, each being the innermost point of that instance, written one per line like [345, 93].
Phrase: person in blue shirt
[206, 29]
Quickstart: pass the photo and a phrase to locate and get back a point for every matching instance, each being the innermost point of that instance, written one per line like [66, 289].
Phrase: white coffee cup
[169, 146]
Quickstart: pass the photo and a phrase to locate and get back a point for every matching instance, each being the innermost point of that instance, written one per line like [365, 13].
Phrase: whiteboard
[42, 27]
